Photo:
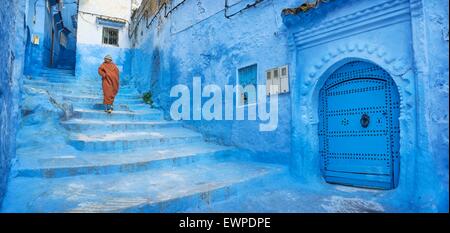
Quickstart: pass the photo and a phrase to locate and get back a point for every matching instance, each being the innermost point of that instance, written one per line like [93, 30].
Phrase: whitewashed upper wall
[89, 32]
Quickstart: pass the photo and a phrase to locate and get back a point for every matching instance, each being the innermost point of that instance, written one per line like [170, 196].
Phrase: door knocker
[365, 120]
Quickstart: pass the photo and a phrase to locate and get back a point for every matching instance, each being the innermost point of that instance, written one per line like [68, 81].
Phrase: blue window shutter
[248, 76]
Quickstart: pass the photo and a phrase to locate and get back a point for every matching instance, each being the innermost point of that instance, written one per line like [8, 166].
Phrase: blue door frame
[359, 127]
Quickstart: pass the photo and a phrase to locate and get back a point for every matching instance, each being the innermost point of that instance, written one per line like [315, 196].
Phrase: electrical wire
[248, 6]
[135, 25]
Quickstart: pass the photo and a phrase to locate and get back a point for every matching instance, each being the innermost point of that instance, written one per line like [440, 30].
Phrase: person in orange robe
[110, 82]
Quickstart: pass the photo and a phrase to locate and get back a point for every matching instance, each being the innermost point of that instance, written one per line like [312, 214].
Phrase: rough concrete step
[123, 141]
[81, 125]
[69, 164]
[155, 190]
[147, 115]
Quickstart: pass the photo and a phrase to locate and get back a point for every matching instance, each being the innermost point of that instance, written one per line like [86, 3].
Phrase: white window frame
[103, 36]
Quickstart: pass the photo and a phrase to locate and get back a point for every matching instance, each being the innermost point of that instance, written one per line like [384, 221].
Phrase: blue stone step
[56, 75]
[71, 66]
[98, 92]
[55, 78]
[47, 83]
[80, 125]
[69, 164]
[123, 92]
[124, 141]
[117, 107]
[122, 107]
[154, 190]
[56, 70]
[98, 99]
[94, 88]
[147, 115]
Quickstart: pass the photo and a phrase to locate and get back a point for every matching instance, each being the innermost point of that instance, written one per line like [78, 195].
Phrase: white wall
[89, 32]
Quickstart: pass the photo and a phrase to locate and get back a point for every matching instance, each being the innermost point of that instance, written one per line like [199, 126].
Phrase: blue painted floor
[135, 161]
[285, 194]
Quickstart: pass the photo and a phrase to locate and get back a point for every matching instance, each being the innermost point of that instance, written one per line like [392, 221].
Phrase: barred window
[111, 36]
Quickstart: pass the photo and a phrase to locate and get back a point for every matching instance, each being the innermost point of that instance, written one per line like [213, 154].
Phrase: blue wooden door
[359, 128]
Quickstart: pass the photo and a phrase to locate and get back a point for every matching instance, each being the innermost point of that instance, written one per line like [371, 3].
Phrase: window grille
[111, 36]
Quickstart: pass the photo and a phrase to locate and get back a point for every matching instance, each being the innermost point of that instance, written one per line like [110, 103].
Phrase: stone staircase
[130, 161]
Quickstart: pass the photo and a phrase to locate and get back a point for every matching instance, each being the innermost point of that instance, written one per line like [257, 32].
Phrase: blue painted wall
[89, 57]
[67, 56]
[39, 23]
[63, 57]
[35, 23]
[197, 40]
[12, 31]
[405, 39]
[432, 70]
[409, 39]
[90, 47]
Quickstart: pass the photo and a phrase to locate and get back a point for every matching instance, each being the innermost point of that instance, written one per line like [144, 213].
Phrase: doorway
[359, 132]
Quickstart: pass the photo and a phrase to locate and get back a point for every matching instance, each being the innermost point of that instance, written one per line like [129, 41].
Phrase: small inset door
[359, 128]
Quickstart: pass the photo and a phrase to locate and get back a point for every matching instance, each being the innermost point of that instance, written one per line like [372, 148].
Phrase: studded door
[359, 128]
